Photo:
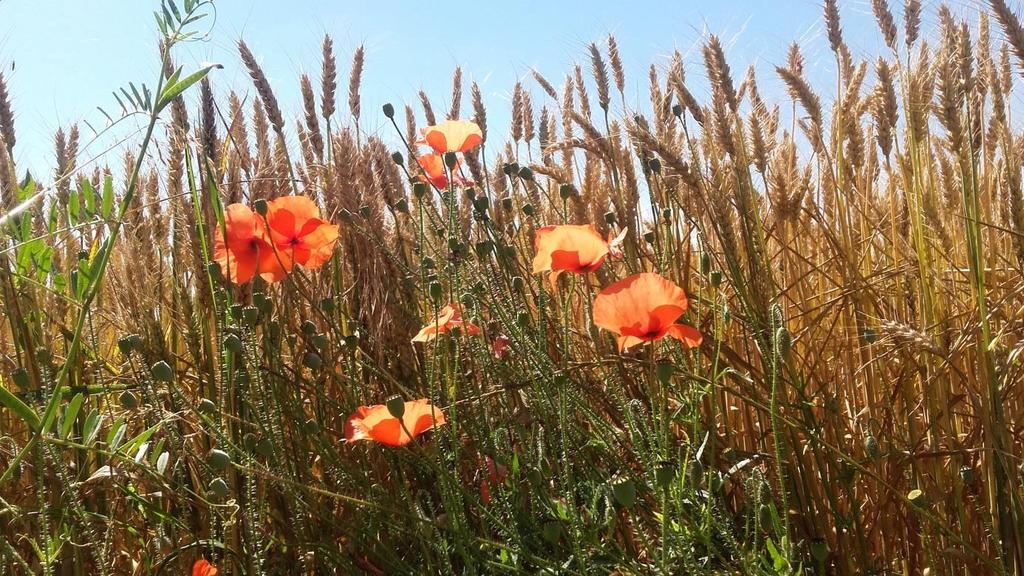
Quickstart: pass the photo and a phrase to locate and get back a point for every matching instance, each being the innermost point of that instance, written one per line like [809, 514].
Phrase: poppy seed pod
[236, 311]
[126, 344]
[396, 406]
[523, 319]
[308, 328]
[506, 203]
[419, 189]
[649, 237]
[716, 278]
[327, 305]
[484, 248]
[666, 214]
[609, 217]
[206, 406]
[219, 487]
[263, 303]
[218, 459]
[345, 216]
[402, 206]
[319, 341]
[44, 355]
[162, 372]
[481, 204]
[624, 491]
[397, 157]
[525, 173]
[508, 169]
[518, 283]
[312, 361]
[435, 290]
[918, 498]
[129, 400]
[677, 110]
[664, 371]
[250, 315]
[20, 378]
[655, 165]
[451, 160]
[233, 344]
[261, 207]
[214, 270]
[389, 110]
[564, 191]
[364, 211]
[528, 209]
[705, 262]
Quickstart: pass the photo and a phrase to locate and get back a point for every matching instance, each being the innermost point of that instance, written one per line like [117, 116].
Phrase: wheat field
[434, 373]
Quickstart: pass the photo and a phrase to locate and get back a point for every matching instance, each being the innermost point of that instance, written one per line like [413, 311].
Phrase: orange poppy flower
[376, 423]
[203, 568]
[242, 249]
[433, 167]
[449, 317]
[570, 248]
[453, 136]
[644, 308]
[298, 232]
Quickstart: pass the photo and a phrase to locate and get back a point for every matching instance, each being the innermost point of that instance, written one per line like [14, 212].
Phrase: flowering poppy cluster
[291, 232]
[448, 137]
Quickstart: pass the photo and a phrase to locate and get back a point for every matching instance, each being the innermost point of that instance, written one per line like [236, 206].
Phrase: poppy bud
[518, 283]
[664, 371]
[506, 203]
[261, 207]
[263, 303]
[649, 237]
[782, 337]
[528, 209]
[654, 164]
[312, 361]
[162, 372]
[564, 191]
[397, 157]
[345, 216]
[327, 305]
[484, 248]
[419, 189]
[624, 491]
[609, 217]
[435, 290]
[451, 160]
[219, 487]
[20, 378]
[389, 110]
[250, 315]
[364, 211]
[525, 173]
[206, 406]
[217, 459]
[677, 110]
[129, 400]
[396, 406]
[233, 344]
[717, 481]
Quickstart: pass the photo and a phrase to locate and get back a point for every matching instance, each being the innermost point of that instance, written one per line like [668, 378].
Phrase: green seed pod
[397, 157]
[263, 303]
[467, 299]
[327, 305]
[609, 217]
[664, 474]
[564, 191]
[312, 361]
[265, 448]
[624, 491]
[419, 190]
[396, 406]
[716, 279]
[508, 169]
[308, 328]
[481, 204]
[666, 214]
[649, 237]
[518, 283]
[126, 345]
[351, 341]
[525, 173]
[451, 160]
[206, 406]
[484, 248]
[320, 342]
[261, 207]
[470, 194]
[389, 110]
[523, 319]
[274, 330]
[213, 269]
[436, 291]
[162, 372]
[44, 355]
[249, 441]
[552, 531]
[507, 204]
[365, 212]
[454, 244]
[219, 488]
[235, 311]
[705, 262]
[664, 371]
[345, 216]
[869, 335]
[129, 400]
[677, 110]
[967, 475]
[528, 209]
[218, 459]
[402, 206]
[311, 426]
[819, 550]
[918, 498]
[427, 263]
[654, 164]
[250, 315]
[233, 344]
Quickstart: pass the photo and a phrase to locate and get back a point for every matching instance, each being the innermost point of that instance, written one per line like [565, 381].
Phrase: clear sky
[63, 58]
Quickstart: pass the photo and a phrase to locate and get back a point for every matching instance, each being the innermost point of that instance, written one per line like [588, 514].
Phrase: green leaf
[91, 428]
[116, 434]
[70, 413]
[173, 90]
[14, 404]
[135, 443]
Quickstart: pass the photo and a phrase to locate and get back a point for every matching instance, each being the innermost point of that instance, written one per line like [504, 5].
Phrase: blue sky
[69, 55]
